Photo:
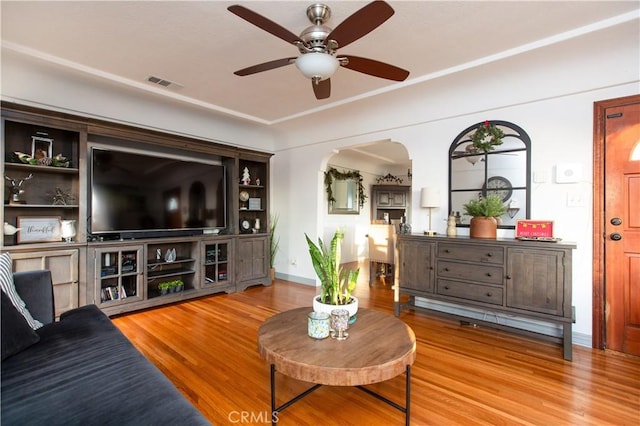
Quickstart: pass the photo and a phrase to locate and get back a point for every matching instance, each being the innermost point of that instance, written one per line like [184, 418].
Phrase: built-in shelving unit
[40, 190]
[252, 196]
[123, 274]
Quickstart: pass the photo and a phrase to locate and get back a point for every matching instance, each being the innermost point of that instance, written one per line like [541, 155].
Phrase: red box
[534, 229]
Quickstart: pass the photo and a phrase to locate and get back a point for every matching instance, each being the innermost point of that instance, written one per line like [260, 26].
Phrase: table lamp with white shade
[430, 199]
[68, 230]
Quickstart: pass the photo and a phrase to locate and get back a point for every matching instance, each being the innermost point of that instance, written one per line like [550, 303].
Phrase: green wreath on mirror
[487, 137]
[333, 174]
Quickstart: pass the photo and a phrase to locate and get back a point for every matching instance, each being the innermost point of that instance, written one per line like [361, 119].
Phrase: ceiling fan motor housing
[314, 38]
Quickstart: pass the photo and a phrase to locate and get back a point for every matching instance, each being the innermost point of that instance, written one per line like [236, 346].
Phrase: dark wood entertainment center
[121, 275]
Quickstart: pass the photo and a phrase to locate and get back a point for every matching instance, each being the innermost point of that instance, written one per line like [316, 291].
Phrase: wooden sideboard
[530, 279]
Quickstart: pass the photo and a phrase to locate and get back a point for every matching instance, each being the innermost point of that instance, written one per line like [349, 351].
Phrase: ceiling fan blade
[265, 66]
[375, 68]
[322, 88]
[361, 23]
[264, 23]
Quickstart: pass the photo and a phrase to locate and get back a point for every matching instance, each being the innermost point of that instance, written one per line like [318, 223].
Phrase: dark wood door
[622, 228]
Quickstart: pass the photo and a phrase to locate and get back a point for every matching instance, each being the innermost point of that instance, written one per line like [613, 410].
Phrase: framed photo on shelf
[41, 147]
[38, 229]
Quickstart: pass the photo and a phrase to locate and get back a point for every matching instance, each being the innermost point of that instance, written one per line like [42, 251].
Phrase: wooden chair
[381, 250]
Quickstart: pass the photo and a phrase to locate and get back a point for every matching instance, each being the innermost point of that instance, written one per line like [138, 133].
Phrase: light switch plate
[540, 176]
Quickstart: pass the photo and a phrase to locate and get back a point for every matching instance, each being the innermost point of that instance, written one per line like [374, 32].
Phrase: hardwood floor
[462, 375]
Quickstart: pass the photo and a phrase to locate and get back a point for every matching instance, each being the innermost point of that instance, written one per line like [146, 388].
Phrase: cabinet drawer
[471, 272]
[475, 292]
[471, 253]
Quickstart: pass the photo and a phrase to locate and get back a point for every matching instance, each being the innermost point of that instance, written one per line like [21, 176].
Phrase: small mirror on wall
[345, 193]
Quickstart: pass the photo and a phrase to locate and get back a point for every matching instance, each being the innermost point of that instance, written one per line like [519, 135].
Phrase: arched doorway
[381, 163]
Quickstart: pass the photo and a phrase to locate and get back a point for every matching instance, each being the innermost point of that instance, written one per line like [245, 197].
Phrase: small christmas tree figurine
[246, 179]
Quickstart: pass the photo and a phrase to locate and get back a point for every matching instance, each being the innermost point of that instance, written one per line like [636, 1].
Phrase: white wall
[548, 92]
[31, 81]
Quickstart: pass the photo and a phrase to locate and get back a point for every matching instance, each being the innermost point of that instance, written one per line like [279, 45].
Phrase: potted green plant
[336, 283]
[274, 245]
[484, 212]
[179, 285]
[164, 288]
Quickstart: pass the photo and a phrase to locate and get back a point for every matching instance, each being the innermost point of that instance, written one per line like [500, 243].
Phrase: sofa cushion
[16, 333]
[6, 282]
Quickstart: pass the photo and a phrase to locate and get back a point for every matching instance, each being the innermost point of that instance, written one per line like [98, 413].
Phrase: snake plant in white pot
[336, 283]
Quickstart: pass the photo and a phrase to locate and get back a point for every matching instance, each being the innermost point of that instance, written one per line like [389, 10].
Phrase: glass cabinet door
[217, 262]
[119, 275]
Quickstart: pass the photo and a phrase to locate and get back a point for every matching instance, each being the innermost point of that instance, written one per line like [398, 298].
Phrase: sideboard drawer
[475, 292]
[471, 272]
[471, 253]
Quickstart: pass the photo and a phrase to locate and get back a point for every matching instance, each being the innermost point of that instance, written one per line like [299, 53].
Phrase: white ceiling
[199, 44]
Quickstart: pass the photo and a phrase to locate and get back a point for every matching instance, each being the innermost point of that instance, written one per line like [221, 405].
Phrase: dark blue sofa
[83, 371]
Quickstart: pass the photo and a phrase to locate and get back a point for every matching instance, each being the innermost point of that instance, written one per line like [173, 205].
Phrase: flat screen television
[137, 194]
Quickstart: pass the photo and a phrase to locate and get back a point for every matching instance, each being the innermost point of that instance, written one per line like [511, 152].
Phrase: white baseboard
[296, 279]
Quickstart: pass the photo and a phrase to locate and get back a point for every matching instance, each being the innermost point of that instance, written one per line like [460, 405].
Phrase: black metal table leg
[276, 410]
[406, 409]
[407, 413]
[274, 414]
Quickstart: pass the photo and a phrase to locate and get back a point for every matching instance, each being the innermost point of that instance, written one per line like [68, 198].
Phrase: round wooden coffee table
[380, 347]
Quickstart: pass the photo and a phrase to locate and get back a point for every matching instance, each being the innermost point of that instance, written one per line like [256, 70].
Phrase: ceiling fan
[318, 45]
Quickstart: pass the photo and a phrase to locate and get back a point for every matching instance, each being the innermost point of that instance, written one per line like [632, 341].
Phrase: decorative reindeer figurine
[16, 189]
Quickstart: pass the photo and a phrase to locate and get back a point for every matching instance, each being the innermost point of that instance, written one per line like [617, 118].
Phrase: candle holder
[339, 324]
[318, 325]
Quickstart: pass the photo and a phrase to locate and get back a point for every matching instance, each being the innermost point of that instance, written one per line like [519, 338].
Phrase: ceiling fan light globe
[317, 65]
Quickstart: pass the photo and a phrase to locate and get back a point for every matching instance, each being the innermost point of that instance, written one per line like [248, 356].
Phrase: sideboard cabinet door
[416, 268]
[535, 280]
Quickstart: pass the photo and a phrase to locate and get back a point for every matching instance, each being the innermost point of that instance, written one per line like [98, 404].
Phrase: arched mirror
[504, 170]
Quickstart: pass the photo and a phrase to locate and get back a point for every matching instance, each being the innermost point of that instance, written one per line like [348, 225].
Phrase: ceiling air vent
[162, 82]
